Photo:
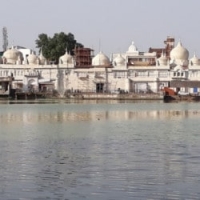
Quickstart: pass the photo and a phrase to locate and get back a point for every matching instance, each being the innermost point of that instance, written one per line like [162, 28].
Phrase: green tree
[53, 48]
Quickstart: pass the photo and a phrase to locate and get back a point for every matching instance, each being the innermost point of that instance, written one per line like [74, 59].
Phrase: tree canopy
[54, 47]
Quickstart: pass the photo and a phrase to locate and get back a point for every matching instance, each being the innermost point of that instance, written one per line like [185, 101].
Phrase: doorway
[99, 87]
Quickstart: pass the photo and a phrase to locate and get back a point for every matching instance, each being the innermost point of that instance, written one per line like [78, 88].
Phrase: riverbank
[102, 96]
[115, 96]
[87, 96]
[178, 98]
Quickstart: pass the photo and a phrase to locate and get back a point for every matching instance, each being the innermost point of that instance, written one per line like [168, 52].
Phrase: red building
[169, 42]
[83, 57]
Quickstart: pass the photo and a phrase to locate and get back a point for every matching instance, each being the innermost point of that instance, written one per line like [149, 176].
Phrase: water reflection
[74, 101]
[65, 116]
[99, 151]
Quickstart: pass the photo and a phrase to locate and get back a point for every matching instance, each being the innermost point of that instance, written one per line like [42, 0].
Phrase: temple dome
[119, 60]
[179, 53]
[162, 60]
[12, 55]
[194, 60]
[42, 59]
[32, 59]
[132, 48]
[100, 59]
[66, 58]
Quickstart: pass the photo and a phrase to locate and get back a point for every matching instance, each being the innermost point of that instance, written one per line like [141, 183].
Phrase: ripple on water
[134, 151]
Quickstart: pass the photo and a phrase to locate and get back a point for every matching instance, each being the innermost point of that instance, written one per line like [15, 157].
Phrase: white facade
[132, 71]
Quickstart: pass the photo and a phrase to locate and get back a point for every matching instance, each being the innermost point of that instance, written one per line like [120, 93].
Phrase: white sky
[106, 25]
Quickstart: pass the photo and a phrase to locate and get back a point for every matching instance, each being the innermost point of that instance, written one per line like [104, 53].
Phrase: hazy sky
[106, 25]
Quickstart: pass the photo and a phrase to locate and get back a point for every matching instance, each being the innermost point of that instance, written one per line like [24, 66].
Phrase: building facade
[129, 72]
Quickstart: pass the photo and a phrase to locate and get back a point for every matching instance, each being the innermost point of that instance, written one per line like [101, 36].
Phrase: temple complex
[133, 71]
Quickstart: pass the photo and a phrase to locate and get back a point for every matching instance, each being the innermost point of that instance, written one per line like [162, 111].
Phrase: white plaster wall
[70, 80]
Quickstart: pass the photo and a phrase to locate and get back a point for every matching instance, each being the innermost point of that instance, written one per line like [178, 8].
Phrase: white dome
[42, 59]
[163, 59]
[66, 58]
[32, 59]
[194, 60]
[119, 60]
[100, 59]
[12, 55]
[179, 53]
[132, 48]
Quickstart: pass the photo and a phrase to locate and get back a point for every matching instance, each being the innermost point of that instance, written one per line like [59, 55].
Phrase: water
[99, 150]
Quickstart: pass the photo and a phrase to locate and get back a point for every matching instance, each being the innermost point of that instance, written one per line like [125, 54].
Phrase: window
[143, 73]
[152, 74]
[99, 74]
[163, 74]
[119, 75]
[82, 74]
[131, 73]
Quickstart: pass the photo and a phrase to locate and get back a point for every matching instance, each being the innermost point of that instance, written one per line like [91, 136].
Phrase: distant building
[83, 57]
[25, 51]
[131, 72]
[169, 42]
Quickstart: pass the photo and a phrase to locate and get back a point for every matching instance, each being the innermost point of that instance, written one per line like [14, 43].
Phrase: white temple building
[129, 72]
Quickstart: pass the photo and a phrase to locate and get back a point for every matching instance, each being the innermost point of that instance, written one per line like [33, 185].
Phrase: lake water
[99, 150]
